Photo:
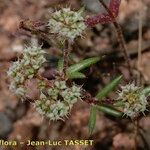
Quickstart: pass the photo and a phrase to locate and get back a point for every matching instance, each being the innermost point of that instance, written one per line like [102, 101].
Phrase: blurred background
[19, 120]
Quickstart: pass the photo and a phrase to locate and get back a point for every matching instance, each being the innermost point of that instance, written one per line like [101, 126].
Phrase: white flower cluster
[134, 100]
[58, 101]
[25, 68]
[67, 23]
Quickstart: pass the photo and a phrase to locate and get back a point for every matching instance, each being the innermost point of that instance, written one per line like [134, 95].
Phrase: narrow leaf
[76, 75]
[118, 104]
[82, 64]
[108, 88]
[92, 119]
[109, 110]
[146, 91]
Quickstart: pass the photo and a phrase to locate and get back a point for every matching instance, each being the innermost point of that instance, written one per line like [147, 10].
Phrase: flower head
[54, 111]
[25, 68]
[134, 100]
[67, 23]
[58, 101]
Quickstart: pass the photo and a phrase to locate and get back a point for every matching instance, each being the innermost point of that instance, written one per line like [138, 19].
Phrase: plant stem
[32, 26]
[139, 61]
[136, 133]
[48, 82]
[140, 41]
[120, 36]
[66, 51]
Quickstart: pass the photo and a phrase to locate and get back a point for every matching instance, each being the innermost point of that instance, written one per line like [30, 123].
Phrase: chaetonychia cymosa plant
[57, 96]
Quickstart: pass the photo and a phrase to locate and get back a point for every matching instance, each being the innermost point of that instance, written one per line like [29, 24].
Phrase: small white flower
[60, 84]
[67, 23]
[59, 110]
[53, 93]
[134, 100]
[20, 91]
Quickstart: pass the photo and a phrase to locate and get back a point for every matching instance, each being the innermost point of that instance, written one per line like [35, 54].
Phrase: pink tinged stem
[114, 7]
[104, 18]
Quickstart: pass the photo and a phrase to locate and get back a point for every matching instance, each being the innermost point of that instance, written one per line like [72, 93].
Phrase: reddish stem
[104, 18]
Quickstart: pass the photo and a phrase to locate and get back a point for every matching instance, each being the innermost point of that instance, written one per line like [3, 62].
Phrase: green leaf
[108, 88]
[109, 110]
[76, 75]
[146, 91]
[60, 64]
[82, 65]
[118, 104]
[92, 119]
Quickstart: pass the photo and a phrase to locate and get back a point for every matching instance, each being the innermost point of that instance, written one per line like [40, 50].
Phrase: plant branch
[136, 133]
[48, 82]
[120, 36]
[32, 26]
[87, 97]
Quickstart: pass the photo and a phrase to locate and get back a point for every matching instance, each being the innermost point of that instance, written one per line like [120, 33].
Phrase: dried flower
[134, 100]
[67, 23]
